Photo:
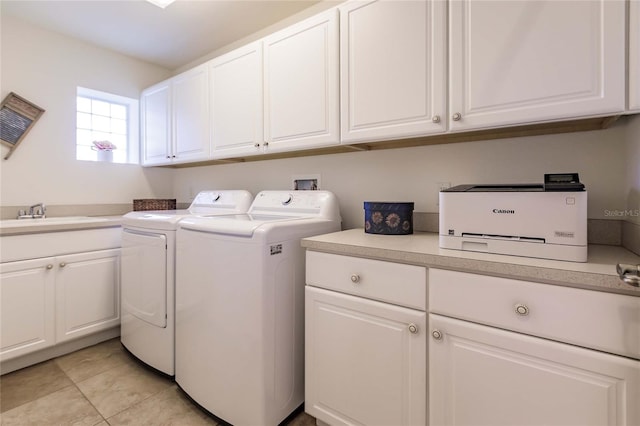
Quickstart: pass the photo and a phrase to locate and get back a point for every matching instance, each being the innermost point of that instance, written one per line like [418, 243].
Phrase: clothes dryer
[148, 275]
[240, 305]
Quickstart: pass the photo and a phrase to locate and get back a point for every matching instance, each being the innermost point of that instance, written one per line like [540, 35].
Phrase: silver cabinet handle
[629, 274]
[413, 329]
[457, 116]
[355, 278]
[436, 334]
[522, 310]
[62, 264]
[436, 119]
[49, 266]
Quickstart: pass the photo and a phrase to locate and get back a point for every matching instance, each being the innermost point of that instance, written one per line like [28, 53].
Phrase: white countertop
[598, 273]
[56, 224]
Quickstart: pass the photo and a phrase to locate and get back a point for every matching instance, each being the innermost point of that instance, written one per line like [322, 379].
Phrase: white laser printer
[546, 221]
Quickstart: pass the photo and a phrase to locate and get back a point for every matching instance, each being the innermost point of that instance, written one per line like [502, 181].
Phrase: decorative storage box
[154, 204]
[388, 218]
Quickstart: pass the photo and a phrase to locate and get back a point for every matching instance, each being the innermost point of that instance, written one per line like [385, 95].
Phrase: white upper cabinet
[301, 85]
[155, 105]
[392, 69]
[515, 62]
[191, 116]
[634, 55]
[175, 119]
[235, 85]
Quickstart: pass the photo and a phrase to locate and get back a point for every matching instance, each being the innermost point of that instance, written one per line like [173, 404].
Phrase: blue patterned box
[388, 218]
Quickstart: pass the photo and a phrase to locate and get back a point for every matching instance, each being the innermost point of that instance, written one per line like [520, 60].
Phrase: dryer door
[144, 276]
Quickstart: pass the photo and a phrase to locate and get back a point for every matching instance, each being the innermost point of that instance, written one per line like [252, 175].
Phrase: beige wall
[633, 169]
[46, 68]
[412, 174]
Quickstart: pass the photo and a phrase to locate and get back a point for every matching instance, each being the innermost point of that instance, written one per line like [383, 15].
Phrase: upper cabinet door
[191, 116]
[634, 55]
[155, 116]
[514, 62]
[392, 69]
[235, 85]
[301, 85]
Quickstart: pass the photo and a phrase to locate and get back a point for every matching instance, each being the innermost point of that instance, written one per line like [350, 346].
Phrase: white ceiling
[170, 37]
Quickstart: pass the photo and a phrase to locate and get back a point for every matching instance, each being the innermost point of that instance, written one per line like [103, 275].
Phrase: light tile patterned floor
[100, 385]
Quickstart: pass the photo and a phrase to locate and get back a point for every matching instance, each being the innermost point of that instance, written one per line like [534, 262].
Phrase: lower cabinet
[55, 299]
[27, 306]
[506, 352]
[365, 356]
[480, 375]
[496, 351]
[364, 365]
[87, 293]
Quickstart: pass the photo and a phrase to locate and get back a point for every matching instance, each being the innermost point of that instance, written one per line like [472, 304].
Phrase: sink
[65, 220]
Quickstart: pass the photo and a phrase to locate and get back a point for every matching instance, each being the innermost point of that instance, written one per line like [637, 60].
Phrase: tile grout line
[80, 390]
[131, 406]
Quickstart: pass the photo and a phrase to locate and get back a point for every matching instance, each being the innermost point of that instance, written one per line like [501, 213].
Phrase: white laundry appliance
[240, 305]
[148, 275]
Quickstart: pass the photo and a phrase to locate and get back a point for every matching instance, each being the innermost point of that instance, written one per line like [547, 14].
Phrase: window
[106, 127]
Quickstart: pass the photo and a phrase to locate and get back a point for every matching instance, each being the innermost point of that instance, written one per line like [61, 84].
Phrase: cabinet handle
[49, 266]
[168, 156]
[266, 144]
[457, 116]
[257, 145]
[522, 310]
[62, 264]
[355, 278]
[436, 334]
[413, 329]
[436, 119]
[173, 156]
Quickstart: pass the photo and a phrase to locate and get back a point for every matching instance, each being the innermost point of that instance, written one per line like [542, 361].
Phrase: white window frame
[133, 114]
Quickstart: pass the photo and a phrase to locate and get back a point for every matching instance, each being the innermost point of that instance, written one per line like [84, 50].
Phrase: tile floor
[100, 385]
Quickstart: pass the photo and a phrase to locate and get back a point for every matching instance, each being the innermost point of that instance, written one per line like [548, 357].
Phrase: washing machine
[240, 305]
[148, 275]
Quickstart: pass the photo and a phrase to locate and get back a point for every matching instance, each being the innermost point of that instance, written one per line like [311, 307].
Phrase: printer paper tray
[504, 237]
[515, 247]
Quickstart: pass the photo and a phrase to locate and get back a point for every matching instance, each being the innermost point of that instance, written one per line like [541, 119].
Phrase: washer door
[144, 276]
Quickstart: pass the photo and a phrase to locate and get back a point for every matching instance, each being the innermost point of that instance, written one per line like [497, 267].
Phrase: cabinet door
[515, 62]
[190, 102]
[27, 293]
[480, 375]
[301, 85]
[87, 293]
[634, 55]
[392, 69]
[156, 124]
[363, 365]
[235, 84]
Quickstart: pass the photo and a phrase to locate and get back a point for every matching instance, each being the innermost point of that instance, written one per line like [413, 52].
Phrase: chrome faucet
[36, 211]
